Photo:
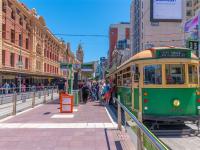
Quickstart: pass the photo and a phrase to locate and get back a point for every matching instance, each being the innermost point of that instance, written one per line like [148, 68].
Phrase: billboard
[166, 10]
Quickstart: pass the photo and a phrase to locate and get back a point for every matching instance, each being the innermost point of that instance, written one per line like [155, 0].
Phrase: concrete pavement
[89, 128]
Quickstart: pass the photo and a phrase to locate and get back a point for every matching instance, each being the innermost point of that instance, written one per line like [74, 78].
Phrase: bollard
[119, 119]
[14, 103]
[33, 100]
[45, 97]
[52, 95]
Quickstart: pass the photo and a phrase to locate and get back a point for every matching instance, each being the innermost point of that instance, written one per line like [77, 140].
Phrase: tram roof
[150, 54]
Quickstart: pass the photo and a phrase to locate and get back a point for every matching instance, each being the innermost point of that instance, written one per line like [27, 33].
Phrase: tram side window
[193, 75]
[153, 74]
[175, 73]
[136, 73]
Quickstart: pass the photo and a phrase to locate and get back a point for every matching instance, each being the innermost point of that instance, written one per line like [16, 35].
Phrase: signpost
[66, 66]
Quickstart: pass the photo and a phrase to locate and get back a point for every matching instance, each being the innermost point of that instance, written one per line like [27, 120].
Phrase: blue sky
[83, 17]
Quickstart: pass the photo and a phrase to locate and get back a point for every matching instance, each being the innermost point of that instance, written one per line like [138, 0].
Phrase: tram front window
[175, 73]
[193, 76]
[153, 74]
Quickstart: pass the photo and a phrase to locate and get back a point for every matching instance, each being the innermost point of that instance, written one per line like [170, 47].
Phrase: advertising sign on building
[166, 10]
[194, 45]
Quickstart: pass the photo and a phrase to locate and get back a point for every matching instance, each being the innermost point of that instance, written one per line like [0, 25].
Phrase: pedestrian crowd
[7, 88]
[96, 91]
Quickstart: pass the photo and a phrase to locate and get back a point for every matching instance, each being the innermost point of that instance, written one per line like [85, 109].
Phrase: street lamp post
[20, 65]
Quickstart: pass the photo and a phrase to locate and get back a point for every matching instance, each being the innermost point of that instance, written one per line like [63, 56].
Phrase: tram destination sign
[176, 53]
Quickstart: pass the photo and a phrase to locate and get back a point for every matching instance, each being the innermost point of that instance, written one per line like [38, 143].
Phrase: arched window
[4, 6]
[13, 14]
[21, 21]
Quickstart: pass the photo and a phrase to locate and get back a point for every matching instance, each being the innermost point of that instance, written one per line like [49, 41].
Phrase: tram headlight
[176, 103]
[197, 93]
[145, 94]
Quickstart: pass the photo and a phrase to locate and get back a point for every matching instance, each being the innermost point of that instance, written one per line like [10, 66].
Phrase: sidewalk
[44, 128]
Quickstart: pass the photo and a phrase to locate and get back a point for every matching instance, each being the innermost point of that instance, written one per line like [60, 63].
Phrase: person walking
[106, 93]
[85, 93]
[6, 87]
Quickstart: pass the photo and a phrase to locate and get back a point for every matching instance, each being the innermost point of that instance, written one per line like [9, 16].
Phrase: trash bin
[76, 97]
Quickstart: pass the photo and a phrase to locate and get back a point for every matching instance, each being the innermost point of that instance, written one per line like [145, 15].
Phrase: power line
[81, 35]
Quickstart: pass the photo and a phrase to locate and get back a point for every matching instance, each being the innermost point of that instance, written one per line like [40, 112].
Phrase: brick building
[119, 40]
[26, 38]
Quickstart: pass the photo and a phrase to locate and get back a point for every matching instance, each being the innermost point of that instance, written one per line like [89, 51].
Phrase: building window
[26, 63]
[21, 21]
[20, 58]
[27, 43]
[4, 7]
[189, 13]
[45, 69]
[12, 36]
[12, 59]
[13, 15]
[189, 4]
[4, 31]
[3, 57]
[20, 39]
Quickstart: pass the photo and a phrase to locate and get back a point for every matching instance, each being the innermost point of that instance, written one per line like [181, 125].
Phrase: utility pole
[20, 65]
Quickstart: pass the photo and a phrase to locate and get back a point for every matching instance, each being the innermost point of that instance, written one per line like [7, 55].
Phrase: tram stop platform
[89, 127]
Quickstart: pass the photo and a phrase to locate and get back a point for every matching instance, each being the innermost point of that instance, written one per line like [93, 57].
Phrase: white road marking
[111, 119]
[75, 109]
[57, 125]
[63, 116]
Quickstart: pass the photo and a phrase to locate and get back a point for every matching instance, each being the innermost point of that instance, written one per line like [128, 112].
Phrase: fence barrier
[13, 101]
[145, 139]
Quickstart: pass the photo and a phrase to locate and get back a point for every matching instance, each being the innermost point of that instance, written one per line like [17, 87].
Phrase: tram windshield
[153, 74]
[175, 73]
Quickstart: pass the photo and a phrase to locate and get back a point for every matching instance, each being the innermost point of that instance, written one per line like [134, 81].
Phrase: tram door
[135, 88]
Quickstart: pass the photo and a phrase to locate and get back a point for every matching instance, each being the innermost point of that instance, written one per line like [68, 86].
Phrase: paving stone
[92, 115]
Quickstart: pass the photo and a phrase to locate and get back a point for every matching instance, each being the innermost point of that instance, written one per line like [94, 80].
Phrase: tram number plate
[174, 54]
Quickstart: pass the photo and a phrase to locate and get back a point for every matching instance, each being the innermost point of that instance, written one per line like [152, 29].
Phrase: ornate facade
[80, 53]
[26, 39]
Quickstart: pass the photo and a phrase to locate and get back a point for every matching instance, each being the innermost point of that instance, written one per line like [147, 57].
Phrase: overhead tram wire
[82, 35]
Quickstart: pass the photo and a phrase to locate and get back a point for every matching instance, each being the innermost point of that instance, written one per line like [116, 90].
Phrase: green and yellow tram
[160, 84]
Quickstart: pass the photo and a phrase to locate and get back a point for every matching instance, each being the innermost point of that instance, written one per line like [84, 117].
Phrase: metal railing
[14, 101]
[143, 134]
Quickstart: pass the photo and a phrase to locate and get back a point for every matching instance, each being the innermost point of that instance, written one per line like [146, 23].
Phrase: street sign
[76, 66]
[65, 66]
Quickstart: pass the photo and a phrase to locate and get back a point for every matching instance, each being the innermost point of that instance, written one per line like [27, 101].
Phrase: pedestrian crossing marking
[57, 125]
